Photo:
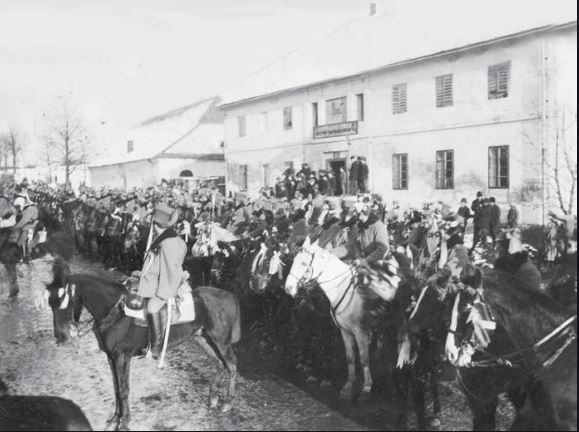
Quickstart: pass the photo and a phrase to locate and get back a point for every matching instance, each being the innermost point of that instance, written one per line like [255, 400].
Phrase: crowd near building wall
[501, 99]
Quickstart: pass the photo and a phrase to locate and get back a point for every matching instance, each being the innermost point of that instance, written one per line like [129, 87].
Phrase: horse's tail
[236, 328]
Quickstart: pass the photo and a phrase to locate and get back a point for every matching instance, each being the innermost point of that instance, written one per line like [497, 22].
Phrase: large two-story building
[436, 121]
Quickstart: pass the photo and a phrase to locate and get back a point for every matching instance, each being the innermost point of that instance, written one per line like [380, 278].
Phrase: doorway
[338, 167]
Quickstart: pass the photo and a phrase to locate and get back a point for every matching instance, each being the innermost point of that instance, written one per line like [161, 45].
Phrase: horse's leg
[231, 361]
[363, 339]
[483, 415]
[418, 380]
[349, 346]
[214, 386]
[12, 279]
[123, 366]
[113, 422]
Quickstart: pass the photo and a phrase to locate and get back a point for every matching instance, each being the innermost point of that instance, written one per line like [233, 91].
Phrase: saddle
[182, 306]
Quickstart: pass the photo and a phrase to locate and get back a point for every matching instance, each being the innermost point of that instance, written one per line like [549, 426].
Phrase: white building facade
[439, 127]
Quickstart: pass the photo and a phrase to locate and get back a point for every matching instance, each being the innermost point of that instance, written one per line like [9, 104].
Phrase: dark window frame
[315, 114]
[400, 171]
[243, 176]
[444, 165]
[499, 80]
[400, 98]
[499, 174]
[288, 118]
[444, 90]
[360, 107]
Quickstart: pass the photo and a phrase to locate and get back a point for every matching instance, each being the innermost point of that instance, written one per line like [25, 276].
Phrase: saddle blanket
[182, 308]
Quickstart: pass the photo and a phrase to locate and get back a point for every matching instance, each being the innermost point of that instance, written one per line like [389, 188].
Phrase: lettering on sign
[336, 129]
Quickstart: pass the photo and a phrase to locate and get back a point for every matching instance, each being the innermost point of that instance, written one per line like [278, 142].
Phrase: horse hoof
[346, 394]
[123, 428]
[226, 407]
[213, 402]
[112, 424]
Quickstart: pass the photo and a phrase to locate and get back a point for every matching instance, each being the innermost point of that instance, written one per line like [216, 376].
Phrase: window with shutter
[287, 118]
[445, 169]
[399, 99]
[444, 94]
[400, 171]
[499, 167]
[499, 76]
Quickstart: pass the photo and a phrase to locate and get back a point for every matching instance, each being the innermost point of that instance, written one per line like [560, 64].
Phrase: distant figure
[354, 170]
[475, 207]
[464, 212]
[495, 218]
[512, 216]
[362, 175]
[483, 218]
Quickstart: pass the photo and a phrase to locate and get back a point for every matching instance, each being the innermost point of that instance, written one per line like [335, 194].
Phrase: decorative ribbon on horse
[450, 348]
[481, 323]
[258, 257]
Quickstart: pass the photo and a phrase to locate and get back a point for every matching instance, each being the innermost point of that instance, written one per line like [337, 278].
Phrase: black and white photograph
[317, 215]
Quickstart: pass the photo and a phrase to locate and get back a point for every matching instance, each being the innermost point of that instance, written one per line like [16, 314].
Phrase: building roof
[194, 131]
[415, 30]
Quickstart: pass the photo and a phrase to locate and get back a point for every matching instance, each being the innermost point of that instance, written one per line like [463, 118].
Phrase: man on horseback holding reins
[162, 273]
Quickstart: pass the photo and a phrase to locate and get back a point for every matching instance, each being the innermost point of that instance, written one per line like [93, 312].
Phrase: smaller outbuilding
[185, 142]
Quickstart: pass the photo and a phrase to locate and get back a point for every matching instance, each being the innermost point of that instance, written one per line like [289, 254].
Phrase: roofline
[202, 156]
[475, 45]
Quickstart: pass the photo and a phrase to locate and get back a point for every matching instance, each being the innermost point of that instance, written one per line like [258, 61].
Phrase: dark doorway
[338, 167]
[186, 173]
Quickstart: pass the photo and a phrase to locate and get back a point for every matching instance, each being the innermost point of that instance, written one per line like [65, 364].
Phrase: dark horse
[541, 381]
[40, 413]
[9, 251]
[217, 326]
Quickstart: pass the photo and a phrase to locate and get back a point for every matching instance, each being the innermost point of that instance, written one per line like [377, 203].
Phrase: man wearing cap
[162, 272]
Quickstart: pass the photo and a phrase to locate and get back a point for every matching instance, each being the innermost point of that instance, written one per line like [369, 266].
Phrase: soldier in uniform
[162, 273]
[24, 228]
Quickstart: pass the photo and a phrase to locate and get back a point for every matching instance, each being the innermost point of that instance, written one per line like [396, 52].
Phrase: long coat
[163, 269]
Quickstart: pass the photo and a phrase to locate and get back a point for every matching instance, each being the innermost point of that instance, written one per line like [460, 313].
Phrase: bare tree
[564, 165]
[67, 141]
[12, 144]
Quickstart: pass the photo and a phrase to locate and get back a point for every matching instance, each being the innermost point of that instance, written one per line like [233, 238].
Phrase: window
[315, 120]
[265, 175]
[499, 76]
[130, 146]
[445, 169]
[360, 106]
[241, 126]
[263, 122]
[444, 91]
[499, 167]
[336, 110]
[243, 177]
[287, 118]
[400, 171]
[399, 99]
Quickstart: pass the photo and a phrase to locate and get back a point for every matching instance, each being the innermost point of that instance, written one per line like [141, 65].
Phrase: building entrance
[338, 167]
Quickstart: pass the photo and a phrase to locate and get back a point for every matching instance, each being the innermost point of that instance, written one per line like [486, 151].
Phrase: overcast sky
[122, 61]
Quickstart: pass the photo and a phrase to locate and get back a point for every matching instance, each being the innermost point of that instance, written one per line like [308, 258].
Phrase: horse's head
[307, 265]
[61, 296]
[132, 237]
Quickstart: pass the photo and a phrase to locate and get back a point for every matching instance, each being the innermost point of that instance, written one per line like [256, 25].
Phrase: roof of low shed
[412, 29]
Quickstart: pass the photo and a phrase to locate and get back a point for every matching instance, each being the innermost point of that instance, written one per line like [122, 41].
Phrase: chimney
[372, 9]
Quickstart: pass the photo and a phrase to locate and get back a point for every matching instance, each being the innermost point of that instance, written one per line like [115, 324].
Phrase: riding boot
[156, 323]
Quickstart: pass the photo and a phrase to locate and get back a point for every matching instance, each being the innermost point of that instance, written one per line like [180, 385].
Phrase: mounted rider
[23, 231]
[162, 272]
[370, 240]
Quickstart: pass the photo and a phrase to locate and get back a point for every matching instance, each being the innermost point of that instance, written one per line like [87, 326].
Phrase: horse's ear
[471, 276]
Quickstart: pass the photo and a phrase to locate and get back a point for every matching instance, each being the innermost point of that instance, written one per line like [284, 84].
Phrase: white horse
[351, 304]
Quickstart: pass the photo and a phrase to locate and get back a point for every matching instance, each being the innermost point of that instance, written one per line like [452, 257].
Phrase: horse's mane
[522, 293]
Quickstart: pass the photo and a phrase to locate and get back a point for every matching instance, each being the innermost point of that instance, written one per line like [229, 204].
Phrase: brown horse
[216, 327]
